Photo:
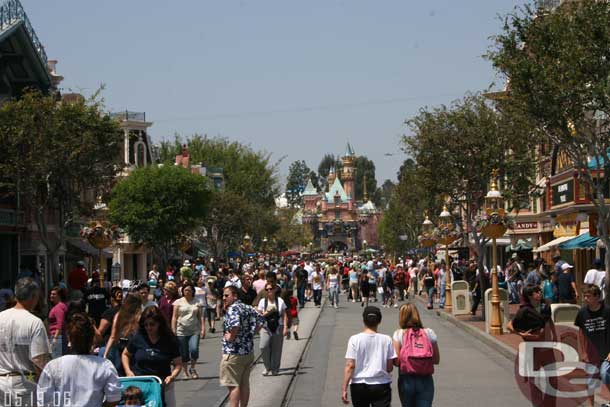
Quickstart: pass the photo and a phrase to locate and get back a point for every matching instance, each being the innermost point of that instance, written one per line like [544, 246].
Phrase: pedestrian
[332, 282]
[124, 327]
[105, 326]
[153, 274]
[56, 321]
[533, 323]
[24, 346]
[353, 283]
[211, 305]
[189, 327]
[302, 278]
[273, 309]
[513, 271]
[166, 302]
[369, 362]
[247, 293]
[388, 290]
[79, 379]
[441, 283]
[597, 276]
[186, 271]
[240, 324]
[317, 285]
[400, 278]
[548, 288]
[77, 280]
[418, 352]
[593, 322]
[372, 276]
[154, 351]
[96, 298]
[293, 314]
[566, 285]
[430, 286]
[364, 289]
[259, 284]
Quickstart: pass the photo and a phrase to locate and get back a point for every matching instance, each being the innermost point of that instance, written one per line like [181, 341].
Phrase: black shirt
[108, 315]
[596, 327]
[150, 359]
[564, 286]
[248, 296]
[96, 298]
[428, 281]
[302, 275]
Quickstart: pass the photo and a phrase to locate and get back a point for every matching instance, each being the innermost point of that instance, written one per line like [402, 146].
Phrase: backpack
[273, 319]
[416, 353]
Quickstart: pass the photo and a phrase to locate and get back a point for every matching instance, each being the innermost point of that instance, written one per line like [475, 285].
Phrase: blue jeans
[442, 295]
[301, 295]
[333, 295]
[415, 391]
[513, 292]
[431, 292]
[189, 347]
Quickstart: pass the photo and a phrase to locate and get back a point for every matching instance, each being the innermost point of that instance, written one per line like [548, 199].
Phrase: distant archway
[337, 247]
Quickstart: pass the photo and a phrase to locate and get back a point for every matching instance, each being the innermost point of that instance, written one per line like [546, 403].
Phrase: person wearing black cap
[369, 363]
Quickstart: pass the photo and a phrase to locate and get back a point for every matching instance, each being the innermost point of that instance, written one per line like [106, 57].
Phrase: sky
[296, 79]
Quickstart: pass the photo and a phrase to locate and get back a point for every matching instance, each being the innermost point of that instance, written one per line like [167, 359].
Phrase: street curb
[503, 349]
[290, 390]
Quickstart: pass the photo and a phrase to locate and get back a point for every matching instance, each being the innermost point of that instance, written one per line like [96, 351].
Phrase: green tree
[53, 152]
[291, 234]
[160, 206]
[328, 161]
[365, 167]
[457, 147]
[298, 174]
[558, 67]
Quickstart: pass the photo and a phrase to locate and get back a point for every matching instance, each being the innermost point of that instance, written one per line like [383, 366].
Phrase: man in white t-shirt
[595, 276]
[24, 347]
[369, 363]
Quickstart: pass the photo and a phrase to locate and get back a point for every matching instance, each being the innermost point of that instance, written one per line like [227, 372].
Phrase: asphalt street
[469, 373]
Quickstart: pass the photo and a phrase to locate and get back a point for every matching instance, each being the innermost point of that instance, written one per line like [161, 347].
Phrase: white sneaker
[395, 305]
[266, 373]
[335, 306]
[353, 300]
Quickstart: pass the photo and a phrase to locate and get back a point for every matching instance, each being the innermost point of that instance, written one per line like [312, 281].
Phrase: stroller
[150, 386]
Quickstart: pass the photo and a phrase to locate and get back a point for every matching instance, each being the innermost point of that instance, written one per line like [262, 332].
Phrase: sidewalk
[506, 344]
[265, 391]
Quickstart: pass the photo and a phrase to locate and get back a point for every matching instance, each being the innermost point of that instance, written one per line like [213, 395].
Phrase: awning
[554, 243]
[87, 249]
[522, 244]
[584, 241]
[501, 241]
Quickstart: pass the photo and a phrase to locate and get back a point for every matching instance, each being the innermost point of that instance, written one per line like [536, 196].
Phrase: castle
[339, 223]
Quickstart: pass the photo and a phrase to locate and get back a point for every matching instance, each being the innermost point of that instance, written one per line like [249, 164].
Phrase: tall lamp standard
[427, 238]
[446, 234]
[494, 226]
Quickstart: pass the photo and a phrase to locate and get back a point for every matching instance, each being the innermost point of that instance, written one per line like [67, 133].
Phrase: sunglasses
[226, 295]
[269, 289]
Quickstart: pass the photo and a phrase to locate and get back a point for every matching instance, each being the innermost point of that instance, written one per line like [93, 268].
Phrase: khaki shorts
[235, 370]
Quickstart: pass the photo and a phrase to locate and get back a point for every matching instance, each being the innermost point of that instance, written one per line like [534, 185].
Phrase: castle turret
[331, 176]
[347, 176]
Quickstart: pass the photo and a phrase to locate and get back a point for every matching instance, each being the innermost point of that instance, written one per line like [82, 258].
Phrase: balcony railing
[129, 115]
[12, 12]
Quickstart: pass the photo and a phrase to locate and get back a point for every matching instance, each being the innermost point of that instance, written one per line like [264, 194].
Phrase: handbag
[380, 290]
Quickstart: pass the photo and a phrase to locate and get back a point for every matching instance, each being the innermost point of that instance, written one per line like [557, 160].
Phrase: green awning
[520, 245]
[584, 241]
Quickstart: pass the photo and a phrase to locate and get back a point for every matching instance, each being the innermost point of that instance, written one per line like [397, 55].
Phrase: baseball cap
[598, 262]
[371, 315]
[566, 266]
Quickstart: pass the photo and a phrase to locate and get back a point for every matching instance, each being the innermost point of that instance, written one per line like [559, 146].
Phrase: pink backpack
[416, 353]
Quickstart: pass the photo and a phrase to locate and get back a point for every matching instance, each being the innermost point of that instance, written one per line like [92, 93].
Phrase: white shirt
[84, 379]
[595, 276]
[370, 353]
[316, 285]
[201, 296]
[271, 306]
[23, 337]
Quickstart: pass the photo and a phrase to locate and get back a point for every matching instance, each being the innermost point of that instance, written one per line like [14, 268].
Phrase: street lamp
[426, 239]
[446, 234]
[494, 225]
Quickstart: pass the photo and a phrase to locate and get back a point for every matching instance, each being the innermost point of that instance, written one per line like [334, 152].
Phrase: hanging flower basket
[494, 225]
[100, 234]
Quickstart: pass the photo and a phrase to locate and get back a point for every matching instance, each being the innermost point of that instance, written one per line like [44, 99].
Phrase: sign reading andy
[553, 374]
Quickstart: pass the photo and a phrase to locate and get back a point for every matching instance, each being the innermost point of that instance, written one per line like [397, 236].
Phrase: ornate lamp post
[494, 225]
[446, 234]
[426, 239]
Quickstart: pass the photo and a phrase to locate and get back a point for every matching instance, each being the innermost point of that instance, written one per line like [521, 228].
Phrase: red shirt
[293, 307]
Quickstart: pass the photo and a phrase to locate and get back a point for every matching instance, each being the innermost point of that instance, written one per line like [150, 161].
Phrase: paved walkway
[266, 391]
[469, 369]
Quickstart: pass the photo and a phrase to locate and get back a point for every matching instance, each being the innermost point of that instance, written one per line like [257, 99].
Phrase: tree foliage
[558, 67]
[290, 234]
[52, 153]
[298, 174]
[365, 167]
[457, 147]
[328, 161]
[160, 206]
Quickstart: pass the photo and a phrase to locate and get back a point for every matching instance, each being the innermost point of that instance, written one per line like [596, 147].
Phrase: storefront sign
[563, 193]
[526, 225]
[567, 225]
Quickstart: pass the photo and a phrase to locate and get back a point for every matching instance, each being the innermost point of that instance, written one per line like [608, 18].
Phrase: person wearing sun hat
[566, 285]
